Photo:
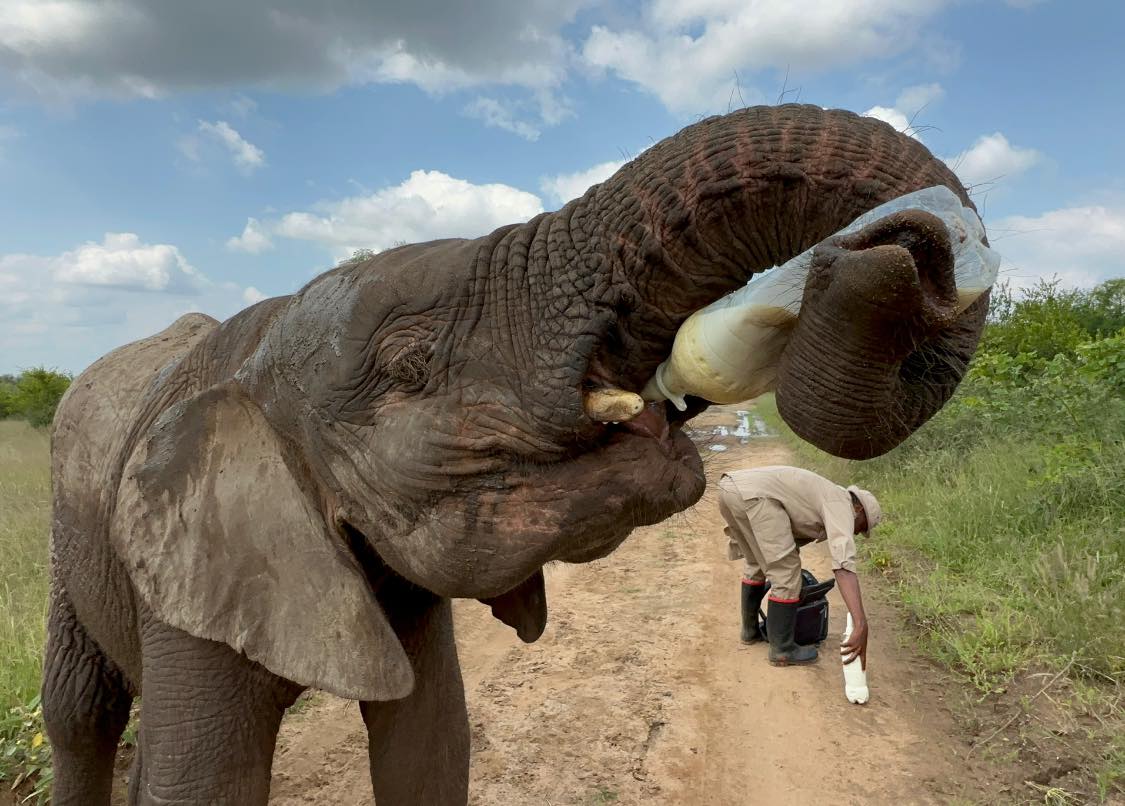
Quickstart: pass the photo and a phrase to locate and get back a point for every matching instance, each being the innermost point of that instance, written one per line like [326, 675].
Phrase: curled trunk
[699, 213]
[879, 345]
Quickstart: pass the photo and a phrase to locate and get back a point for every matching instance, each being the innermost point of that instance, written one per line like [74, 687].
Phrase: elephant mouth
[646, 467]
[638, 472]
[655, 423]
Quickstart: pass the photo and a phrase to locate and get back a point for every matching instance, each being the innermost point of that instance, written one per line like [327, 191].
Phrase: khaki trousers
[761, 530]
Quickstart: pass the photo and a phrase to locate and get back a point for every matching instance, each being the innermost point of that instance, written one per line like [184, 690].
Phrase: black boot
[780, 623]
[751, 601]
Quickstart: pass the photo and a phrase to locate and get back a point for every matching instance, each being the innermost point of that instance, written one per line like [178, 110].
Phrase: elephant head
[437, 390]
[430, 407]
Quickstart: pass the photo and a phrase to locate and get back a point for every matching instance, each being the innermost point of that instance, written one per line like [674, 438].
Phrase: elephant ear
[223, 540]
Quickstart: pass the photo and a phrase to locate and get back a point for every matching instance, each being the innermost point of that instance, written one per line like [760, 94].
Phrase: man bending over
[771, 512]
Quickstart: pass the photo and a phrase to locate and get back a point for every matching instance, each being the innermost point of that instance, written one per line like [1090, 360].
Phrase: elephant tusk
[610, 405]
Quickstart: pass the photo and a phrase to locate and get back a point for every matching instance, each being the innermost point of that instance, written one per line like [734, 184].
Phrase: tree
[34, 396]
[7, 395]
[1048, 320]
[1102, 309]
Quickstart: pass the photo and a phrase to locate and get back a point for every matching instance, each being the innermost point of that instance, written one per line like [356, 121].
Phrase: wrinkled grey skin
[290, 498]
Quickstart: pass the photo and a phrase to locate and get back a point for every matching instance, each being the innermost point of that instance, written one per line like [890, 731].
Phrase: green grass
[602, 796]
[24, 514]
[1004, 544]
[25, 489]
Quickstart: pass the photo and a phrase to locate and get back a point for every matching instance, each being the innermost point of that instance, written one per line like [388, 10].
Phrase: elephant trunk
[926, 242]
[880, 344]
[697, 215]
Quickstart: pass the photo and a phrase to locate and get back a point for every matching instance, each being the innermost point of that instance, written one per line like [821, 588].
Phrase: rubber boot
[780, 623]
[751, 601]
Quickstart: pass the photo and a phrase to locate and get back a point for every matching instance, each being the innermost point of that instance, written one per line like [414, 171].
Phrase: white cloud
[688, 51]
[68, 309]
[29, 24]
[247, 156]
[241, 105]
[564, 187]
[19, 276]
[427, 205]
[904, 116]
[553, 108]
[523, 117]
[501, 115]
[122, 261]
[915, 99]
[1082, 246]
[888, 114]
[251, 295]
[253, 239]
[78, 49]
[990, 158]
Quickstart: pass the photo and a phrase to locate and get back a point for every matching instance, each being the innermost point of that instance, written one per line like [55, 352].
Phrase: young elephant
[289, 499]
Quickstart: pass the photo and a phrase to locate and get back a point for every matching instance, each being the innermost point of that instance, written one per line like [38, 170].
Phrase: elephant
[291, 498]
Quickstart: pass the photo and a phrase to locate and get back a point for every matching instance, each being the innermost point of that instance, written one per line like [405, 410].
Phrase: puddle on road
[742, 426]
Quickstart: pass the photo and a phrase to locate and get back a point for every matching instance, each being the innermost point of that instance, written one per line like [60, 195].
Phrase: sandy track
[640, 692]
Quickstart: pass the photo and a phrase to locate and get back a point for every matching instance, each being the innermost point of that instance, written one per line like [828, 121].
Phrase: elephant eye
[410, 368]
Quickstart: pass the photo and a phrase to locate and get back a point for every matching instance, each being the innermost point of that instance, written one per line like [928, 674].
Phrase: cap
[870, 506]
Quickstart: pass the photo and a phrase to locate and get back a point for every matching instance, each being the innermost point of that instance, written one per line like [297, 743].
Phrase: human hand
[856, 646]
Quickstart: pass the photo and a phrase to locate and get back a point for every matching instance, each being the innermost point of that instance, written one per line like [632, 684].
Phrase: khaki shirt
[817, 508]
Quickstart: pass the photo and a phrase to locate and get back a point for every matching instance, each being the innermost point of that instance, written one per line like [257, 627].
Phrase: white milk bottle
[855, 676]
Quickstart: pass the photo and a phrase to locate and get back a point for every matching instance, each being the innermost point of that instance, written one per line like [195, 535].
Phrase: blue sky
[157, 158]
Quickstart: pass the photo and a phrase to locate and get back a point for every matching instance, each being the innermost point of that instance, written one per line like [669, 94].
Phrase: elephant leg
[86, 701]
[419, 745]
[209, 722]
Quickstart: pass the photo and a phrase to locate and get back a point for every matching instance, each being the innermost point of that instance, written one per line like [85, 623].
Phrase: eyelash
[410, 368]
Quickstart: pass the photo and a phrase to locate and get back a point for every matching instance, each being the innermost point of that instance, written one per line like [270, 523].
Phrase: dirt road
[640, 692]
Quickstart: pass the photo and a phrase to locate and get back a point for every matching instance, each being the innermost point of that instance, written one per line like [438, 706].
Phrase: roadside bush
[33, 395]
[7, 393]
[1048, 321]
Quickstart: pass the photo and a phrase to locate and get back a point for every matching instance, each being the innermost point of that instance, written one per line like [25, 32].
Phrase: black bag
[812, 611]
